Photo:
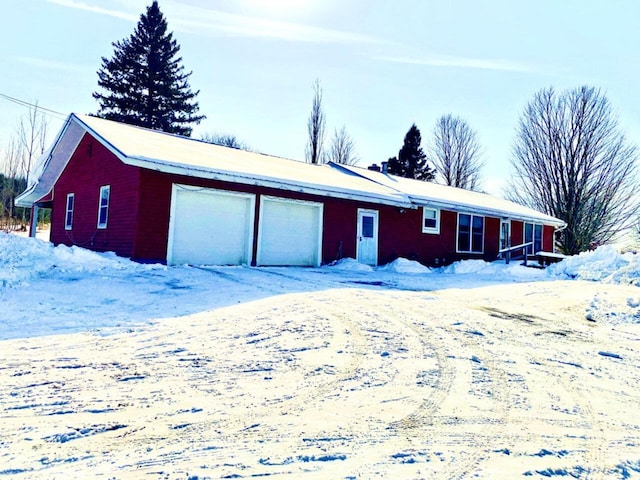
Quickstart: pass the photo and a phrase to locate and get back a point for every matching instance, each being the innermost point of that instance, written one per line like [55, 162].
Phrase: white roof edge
[110, 146]
[535, 217]
[23, 199]
[233, 177]
[166, 167]
[495, 212]
[29, 197]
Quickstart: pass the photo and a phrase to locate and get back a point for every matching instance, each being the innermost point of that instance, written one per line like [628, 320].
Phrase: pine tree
[144, 83]
[411, 161]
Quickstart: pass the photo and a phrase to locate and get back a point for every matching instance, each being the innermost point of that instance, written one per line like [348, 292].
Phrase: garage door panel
[290, 232]
[210, 227]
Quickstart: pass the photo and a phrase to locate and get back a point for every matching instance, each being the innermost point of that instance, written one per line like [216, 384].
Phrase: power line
[23, 103]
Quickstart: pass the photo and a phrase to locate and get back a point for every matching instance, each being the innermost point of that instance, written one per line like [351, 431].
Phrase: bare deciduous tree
[456, 153]
[226, 140]
[572, 162]
[18, 162]
[315, 127]
[32, 135]
[342, 149]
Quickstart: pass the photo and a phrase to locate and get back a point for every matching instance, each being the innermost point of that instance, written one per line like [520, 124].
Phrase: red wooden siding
[90, 167]
[400, 229]
[491, 237]
[548, 238]
[517, 232]
[140, 202]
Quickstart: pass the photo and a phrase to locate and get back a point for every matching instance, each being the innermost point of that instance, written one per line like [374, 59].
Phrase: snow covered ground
[112, 369]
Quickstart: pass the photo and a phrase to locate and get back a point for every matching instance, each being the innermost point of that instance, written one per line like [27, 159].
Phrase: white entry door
[367, 241]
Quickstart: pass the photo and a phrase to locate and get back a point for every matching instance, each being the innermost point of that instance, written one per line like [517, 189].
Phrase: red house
[153, 196]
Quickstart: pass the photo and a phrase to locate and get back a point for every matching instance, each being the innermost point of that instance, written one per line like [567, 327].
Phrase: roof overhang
[474, 205]
[392, 198]
[532, 217]
[51, 164]
[55, 160]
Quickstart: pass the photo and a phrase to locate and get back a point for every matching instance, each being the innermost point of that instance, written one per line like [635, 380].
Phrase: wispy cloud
[55, 65]
[95, 9]
[461, 62]
[210, 22]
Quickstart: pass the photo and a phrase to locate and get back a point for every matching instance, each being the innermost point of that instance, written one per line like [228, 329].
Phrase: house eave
[263, 181]
[486, 211]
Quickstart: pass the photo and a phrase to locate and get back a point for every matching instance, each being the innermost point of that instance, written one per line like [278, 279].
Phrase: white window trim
[484, 225]
[435, 230]
[104, 188]
[68, 225]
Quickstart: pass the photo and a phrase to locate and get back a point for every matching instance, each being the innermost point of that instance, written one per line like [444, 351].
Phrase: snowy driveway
[340, 383]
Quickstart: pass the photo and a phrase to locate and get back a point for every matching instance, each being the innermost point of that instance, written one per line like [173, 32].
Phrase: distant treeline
[12, 217]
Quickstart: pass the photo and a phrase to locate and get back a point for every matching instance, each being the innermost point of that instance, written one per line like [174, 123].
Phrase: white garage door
[210, 227]
[290, 232]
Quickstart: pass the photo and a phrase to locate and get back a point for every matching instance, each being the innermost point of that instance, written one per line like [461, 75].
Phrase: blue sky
[382, 65]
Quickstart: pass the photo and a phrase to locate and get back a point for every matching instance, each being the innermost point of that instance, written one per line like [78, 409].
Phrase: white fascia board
[487, 211]
[55, 161]
[396, 199]
[234, 177]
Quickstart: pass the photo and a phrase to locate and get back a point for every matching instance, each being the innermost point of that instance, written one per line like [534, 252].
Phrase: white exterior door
[210, 227]
[367, 240]
[289, 232]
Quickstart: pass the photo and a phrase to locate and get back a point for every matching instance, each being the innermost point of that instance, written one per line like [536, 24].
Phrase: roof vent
[374, 168]
[385, 167]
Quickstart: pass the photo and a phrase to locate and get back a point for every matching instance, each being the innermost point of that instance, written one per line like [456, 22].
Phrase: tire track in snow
[567, 391]
[457, 350]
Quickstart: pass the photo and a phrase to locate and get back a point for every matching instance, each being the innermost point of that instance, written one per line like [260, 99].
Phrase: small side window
[430, 220]
[103, 206]
[68, 216]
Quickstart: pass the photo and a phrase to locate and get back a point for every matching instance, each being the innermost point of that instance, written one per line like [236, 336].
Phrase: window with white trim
[533, 233]
[68, 213]
[103, 206]
[470, 233]
[430, 220]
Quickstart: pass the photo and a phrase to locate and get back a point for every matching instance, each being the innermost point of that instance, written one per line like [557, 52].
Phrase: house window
[430, 220]
[470, 233]
[103, 206]
[533, 233]
[367, 227]
[68, 216]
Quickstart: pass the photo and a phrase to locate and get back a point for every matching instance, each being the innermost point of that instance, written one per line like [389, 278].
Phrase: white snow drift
[476, 370]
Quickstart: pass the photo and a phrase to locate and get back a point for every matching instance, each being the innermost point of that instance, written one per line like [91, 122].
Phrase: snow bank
[498, 268]
[604, 264]
[23, 259]
[402, 265]
[350, 264]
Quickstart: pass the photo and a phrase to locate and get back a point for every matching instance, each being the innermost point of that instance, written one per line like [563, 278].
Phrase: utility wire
[23, 103]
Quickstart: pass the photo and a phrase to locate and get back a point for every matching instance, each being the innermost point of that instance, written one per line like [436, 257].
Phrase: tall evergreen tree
[411, 161]
[144, 83]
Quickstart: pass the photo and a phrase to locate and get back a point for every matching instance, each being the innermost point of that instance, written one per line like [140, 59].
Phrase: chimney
[374, 168]
[385, 167]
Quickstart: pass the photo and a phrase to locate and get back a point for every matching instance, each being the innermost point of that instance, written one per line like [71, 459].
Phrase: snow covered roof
[174, 154]
[457, 199]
